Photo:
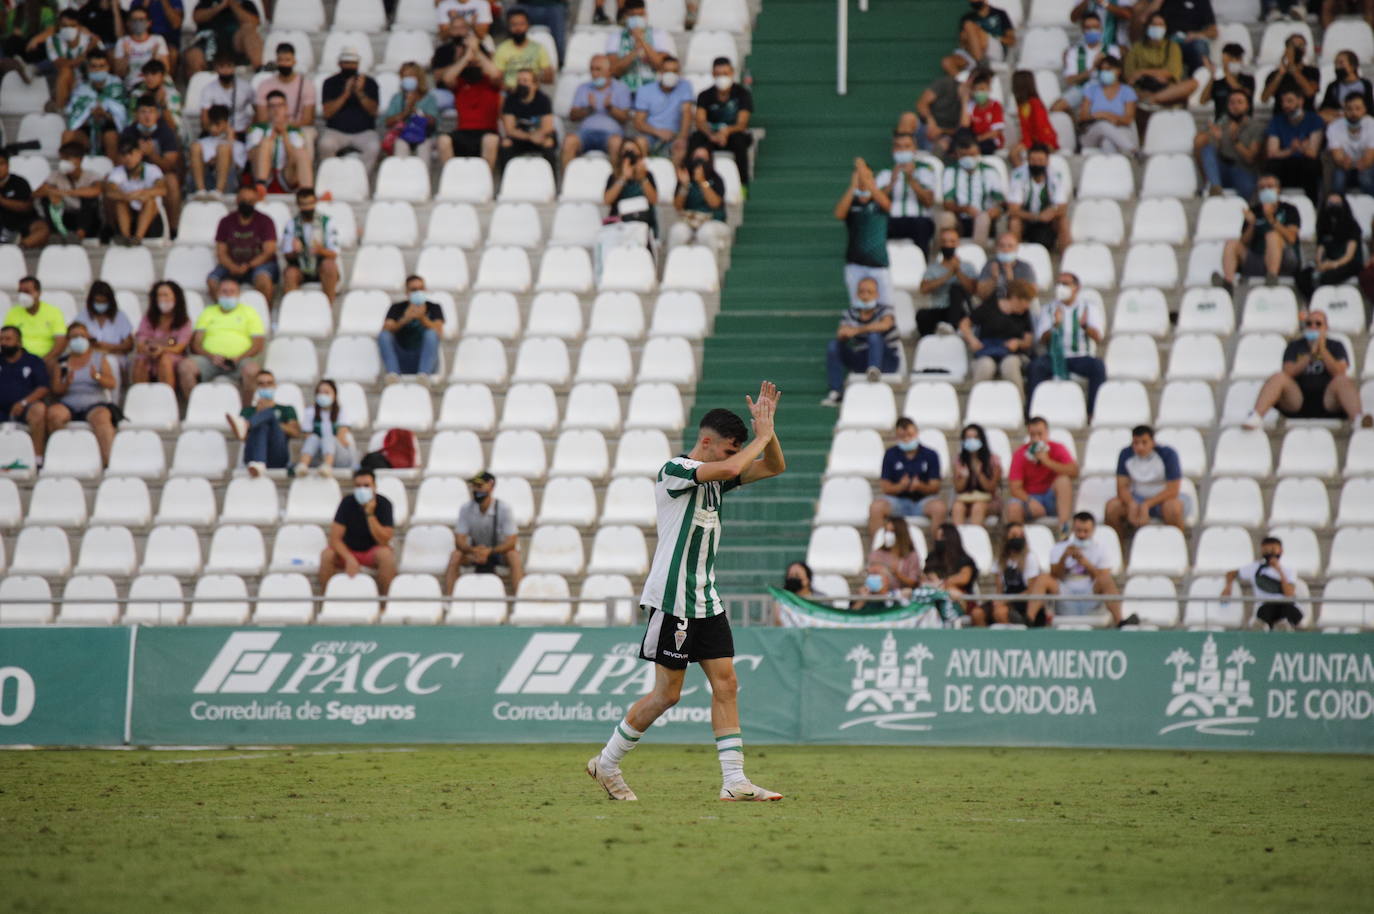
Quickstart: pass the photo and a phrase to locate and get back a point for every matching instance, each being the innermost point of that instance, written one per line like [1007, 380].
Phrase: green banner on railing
[217, 686]
[63, 686]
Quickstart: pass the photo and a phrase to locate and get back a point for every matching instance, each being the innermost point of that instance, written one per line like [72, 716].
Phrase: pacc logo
[247, 665]
[548, 665]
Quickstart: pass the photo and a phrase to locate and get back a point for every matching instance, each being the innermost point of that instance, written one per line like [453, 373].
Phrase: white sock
[730, 749]
[623, 739]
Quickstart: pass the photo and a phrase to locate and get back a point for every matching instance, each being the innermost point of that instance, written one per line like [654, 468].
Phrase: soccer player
[687, 622]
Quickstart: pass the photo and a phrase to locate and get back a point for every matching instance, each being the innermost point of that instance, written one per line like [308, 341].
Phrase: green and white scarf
[640, 71]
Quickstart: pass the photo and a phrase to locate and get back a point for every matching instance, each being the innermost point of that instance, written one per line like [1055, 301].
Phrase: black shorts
[468, 143]
[674, 642]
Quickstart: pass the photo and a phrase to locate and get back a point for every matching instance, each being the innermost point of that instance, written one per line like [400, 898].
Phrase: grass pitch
[522, 828]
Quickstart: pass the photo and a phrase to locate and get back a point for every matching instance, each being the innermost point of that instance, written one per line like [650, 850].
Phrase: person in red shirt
[476, 83]
[982, 114]
[1041, 478]
[1031, 115]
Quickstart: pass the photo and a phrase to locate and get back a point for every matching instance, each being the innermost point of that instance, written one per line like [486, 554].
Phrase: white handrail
[842, 44]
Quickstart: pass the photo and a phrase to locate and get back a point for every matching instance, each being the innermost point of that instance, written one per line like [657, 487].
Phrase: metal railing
[842, 44]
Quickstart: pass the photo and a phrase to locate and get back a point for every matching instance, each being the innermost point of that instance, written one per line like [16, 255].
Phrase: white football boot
[613, 782]
[744, 790]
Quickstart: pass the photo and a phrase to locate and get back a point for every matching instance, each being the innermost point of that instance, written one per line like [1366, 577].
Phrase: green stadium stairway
[784, 290]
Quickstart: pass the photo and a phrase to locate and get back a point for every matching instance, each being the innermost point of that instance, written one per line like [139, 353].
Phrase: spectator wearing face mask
[911, 191]
[165, 18]
[663, 111]
[328, 430]
[974, 197]
[245, 248]
[518, 52]
[264, 426]
[1080, 60]
[486, 536]
[107, 329]
[225, 27]
[1348, 82]
[600, 108]
[132, 192]
[700, 204]
[24, 383]
[636, 53]
[1231, 149]
[1155, 67]
[235, 94]
[799, 580]
[910, 480]
[476, 13]
[999, 334]
[295, 87]
[527, 115]
[63, 48]
[1078, 567]
[161, 149]
[977, 478]
[163, 335]
[1268, 243]
[1040, 481]
[409, 341]
[218, 149]
[1032, 120]
[138, 47]
[40, 323]
[1192, 25]
[152, 80]
[410, 117]
[228, 340]
[949, 567]
[948, 284]
[1314, 382]
[1004, 268]
[1350, 148]
[472, 82]
[87, 388]
[982, 114]
[69, 200]
[1228, 79]
[863, 209]
[867, 341]
[879, 590]
[1293, 74]
[936, 118]
[1106, 116]
[350, 112]
[310, 244]
[631, 192]
[1273, 578]
[1068, 331]
[1018, 569]
[360, 535]
[1293, 145]
[1338, 247]
[98, 108]
[1038, 203]
[722, 117]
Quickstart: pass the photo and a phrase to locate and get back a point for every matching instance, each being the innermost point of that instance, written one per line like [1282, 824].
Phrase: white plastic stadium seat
[465, 180]
[1159, 550]
[1138, 589]
[835, 550]
[1108, 176]
[868, 405]
[1159, 220]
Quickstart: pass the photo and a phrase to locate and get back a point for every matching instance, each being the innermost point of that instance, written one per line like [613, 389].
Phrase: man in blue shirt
[910, 482]
[664, 109]
[23, 385]
[1293, 145]
[866, 341]
[600, 108]
[1148, 478]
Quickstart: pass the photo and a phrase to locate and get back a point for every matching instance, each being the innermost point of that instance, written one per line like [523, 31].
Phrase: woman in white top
[328, 437]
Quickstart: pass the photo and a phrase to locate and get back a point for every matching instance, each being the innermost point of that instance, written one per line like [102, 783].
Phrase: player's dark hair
[1084, 515]
[726, 424]
[1141, 431]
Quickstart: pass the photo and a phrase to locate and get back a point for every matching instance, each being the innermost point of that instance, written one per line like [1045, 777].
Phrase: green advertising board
[913, 686]
[63, 686]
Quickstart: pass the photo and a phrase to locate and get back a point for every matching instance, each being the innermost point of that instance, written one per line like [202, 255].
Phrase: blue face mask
[874, 583]
[599, 82]
[147, 129]
[98, 77]
[909, 446]
[1311, 335]
[227, 303]
[1006, 257]
[100, 307]
[1092, 37]
[417, 297]
[1106, 77]
[1268, 195]
[409, 83]
[635, 22]
[968, 163]
[363, 494]
[267, 393]
[1155, 32]
[972, 444]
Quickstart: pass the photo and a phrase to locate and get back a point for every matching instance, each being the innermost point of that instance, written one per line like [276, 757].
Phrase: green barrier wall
[1235, 690]
[63, 686]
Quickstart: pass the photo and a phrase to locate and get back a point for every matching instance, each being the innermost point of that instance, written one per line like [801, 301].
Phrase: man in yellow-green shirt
[521, 52]
[41, 323]
[228, 341]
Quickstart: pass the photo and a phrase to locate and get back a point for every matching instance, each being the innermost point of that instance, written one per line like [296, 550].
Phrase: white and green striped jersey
[682, 579]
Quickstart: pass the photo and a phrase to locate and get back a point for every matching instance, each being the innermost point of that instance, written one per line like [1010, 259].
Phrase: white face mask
[66, 167]
[889, 539]
[723, 83]
[68, 34]
[363, 494]
[669, 80]
[79, 345]
[1063, 291]
[904, 156]
[25, 300]
[166, 305]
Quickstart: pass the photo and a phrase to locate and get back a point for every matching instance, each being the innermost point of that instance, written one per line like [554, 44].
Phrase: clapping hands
[763, 409]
